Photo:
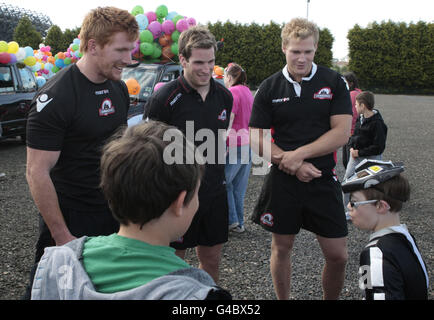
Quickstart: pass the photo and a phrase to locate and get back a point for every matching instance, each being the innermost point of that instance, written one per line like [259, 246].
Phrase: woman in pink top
[238, 160]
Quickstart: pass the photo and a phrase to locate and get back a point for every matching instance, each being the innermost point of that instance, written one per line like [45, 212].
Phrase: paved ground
[245, 263]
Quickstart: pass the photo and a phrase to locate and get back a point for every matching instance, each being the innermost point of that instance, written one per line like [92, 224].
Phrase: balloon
[177, 18]
[174, 48]
[55, 69]
[60, 63]
[30, 61]
[21, 54]
[182, 25]
[168, 27]
[5, 57]
[165, 40]
[157, 52]
[159, 85]
[142, 21]
[191, 22]
[155, 28]
[75, 47]
[151, 16]
[133, 86]
[67, 61]
[13, 58]
[137, 48]
[171, 15]
[175, 35]
[29, 51]
[13, 47]
[146, 48]
[146, 36]
[3, 46]
[40, 81]
[161, 11]
[76, 41]
[137, 10]
[61, 55]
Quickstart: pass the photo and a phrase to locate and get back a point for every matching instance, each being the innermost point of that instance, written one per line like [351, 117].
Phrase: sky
[338, 16]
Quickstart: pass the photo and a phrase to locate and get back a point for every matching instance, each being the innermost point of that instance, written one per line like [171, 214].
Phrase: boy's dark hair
[135, 179]
[367, 98]
[197, 37]
[352, 81]
[394, 191]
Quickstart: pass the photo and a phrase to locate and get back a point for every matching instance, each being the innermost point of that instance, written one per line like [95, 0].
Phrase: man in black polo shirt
[199, 106]
[309, 108]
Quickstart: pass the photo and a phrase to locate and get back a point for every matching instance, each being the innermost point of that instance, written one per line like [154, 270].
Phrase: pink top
[242, 109]
[353, 95]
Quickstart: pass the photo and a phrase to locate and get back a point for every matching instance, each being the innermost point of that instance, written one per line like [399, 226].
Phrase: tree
[55, 40]
[25, 34]
[68, 36]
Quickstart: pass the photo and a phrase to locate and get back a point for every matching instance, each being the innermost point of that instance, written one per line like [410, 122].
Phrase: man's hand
[307, 172]
[354, 153]
[289, 161]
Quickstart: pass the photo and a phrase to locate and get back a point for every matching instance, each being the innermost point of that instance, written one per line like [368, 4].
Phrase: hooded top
[61, 276]
[369, 135]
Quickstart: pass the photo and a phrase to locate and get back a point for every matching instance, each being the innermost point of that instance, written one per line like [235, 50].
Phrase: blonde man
[309, 108]
[70, 119]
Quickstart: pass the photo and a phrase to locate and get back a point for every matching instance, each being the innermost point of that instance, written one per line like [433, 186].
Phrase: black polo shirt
[300, 112]
[177, 103]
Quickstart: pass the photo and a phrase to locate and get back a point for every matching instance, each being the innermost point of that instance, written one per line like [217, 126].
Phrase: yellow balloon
[3, 46]
[13, 47]
[42, 66]
[30, 61]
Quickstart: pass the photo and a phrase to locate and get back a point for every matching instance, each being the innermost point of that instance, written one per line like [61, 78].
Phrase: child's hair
[367, 98]
[101, 23]
[136, 180]
[197, 37]
[352, 81]
[237, 73]
[299, 28]
[394, 191]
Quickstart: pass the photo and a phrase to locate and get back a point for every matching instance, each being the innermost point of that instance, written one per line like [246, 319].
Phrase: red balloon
[5, 57]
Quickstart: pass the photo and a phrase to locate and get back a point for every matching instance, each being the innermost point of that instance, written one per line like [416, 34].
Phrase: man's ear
[178, 205]
[91, 46]
[383, 207]
[182, 60]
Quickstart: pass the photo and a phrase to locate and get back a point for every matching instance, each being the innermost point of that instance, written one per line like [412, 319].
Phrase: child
[391, 266]
[154, 203]
[369, 138]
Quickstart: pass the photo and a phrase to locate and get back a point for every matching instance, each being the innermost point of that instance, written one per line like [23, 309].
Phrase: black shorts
[286, 204]
[210, 224]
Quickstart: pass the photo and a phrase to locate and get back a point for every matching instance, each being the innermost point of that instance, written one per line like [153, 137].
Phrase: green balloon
[156, 53]
[146, 36]
[55, 69]
[75, 47]
[67, 61]
[174, 48]
[137, 10]
[146, 48]
[175, 35]
[177, 18]
[162, 11]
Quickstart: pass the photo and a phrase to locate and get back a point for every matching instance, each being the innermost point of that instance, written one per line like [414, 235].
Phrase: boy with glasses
[391, 266]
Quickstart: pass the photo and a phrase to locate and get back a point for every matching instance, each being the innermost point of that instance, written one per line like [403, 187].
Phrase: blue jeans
[237, 171]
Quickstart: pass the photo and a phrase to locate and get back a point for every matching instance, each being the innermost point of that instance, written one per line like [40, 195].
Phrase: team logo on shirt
[267, 219]
[323, 93]
[280, 100]
[107, 108]
[42, 101]
[223, 115]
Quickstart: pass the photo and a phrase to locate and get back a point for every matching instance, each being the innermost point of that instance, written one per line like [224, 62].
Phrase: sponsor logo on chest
[281, 100]
[323, 94]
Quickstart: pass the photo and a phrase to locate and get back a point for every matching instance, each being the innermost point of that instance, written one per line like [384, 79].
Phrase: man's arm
[337, 136]
[39, 164]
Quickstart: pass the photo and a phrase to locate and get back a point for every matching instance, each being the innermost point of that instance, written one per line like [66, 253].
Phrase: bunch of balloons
[41, 61]
[159, 33]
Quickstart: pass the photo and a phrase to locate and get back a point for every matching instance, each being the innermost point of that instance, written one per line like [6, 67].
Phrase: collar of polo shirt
[297, 86]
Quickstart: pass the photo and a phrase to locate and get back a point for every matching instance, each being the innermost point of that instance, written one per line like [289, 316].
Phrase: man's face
[114, 56]
[198, 69]
[299, 55]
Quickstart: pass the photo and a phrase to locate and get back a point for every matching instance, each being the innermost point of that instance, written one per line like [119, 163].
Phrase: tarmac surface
[245, 260]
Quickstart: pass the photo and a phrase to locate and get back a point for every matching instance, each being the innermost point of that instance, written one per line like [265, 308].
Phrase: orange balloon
[61, 55]
[51, 60]
[133, 86]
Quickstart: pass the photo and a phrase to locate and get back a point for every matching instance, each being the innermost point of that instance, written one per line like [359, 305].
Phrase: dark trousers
[80, 223]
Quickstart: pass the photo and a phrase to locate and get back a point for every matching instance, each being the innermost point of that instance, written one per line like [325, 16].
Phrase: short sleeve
[341, 103]
[261, 116]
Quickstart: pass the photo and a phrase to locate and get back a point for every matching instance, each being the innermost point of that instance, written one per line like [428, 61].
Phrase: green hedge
[393, 57]
[257, 48]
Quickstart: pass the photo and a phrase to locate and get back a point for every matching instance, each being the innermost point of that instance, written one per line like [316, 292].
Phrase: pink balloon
[168, 27]
[159, 85]
[136, 49]
[191, 22]
[182, 25]
[152, 16]
[155, 28]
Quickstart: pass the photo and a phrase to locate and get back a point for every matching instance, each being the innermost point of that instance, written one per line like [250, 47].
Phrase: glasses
[355, 205]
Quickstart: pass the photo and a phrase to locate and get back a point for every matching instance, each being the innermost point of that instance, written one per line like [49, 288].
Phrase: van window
[6, 80]
[29, 83]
